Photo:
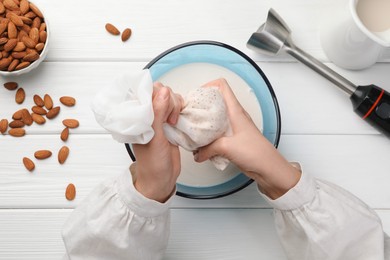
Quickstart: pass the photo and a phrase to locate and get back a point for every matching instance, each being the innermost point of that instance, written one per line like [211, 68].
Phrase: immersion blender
[370, 102]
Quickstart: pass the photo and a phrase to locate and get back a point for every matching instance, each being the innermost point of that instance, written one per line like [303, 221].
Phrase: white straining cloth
[125, 110]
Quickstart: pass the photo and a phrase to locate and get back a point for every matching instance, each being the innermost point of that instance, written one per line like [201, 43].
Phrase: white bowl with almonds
[24, 37]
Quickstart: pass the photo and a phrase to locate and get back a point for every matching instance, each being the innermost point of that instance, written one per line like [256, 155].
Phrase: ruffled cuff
[302, 193]
[137, 202]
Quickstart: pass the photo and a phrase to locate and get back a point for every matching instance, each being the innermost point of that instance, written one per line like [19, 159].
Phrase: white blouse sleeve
[320, 220]
[117, 222]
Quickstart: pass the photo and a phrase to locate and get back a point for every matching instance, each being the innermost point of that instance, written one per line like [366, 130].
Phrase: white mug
[348, 43]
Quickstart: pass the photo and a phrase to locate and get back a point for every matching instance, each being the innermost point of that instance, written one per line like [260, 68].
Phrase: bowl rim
[266, 81]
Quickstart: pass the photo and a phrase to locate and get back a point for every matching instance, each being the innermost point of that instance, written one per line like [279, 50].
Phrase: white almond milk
[184, 78]
[375, 15]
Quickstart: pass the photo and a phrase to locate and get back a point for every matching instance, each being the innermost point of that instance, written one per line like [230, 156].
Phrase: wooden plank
[309, 104]
[195, 234]
[356, 162]
[77, 29]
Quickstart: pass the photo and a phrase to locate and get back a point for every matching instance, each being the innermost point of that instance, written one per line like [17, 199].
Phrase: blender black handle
[373, 104]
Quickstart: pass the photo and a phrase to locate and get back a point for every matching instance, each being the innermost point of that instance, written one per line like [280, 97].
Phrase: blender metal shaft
[321, 69]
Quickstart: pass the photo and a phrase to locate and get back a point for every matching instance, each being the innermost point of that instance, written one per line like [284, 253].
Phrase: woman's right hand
[249, 149]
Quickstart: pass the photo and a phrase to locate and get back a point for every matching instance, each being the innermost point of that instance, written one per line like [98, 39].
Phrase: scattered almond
[52, 113]
[112, 29]
[40, 120]
[65, 134]
[17, 132]
[68, 101]
[26, 117]
[11, 85]
[20, 96]
[39, 110]
[28, 164]
[71, 123]
[4, 126]
[63, 154]
[42, 154]
[48, 101]
[38, 101]
[126, 34]
[17, 115]
[70, 192]
[16, 124]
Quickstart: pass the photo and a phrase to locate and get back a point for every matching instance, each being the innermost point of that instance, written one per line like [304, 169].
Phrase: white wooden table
[319, 128]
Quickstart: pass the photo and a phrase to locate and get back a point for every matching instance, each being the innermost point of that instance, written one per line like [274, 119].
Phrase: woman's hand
[158, 162]
[250, 150]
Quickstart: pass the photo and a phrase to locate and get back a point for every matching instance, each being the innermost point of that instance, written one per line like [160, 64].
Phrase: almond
[42, 27]
[4, 126]
[68, 101]
[42, 36]
[10, 4]
[34, 34]
[39, 110]
[36, 10]
[3, 40]
[2, 8]
[28, 164]
[71, 123]
[20, 96]
[12, 31]
[11, 85]
[38, 118]
[17, 132]
[3, 27]
[36, 23]
[31, 57]
[13, 65]
[21, 35]
[70, 192]
[22, 65]
[5, 62]
[24, 6]
[52, 113]
[42, 154]
[17, 115]
[63, 154]
[20, 46]
[16, 20]
[25, 28]
[16, 124]
[48, 101]
[18, 55]
[65, 134]
[26, 117]
[26, 20]
[39, 47]
[126, 34]
[38, 101]
[10, 44]
[28, 42]
[112, 29]
[30, 15]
